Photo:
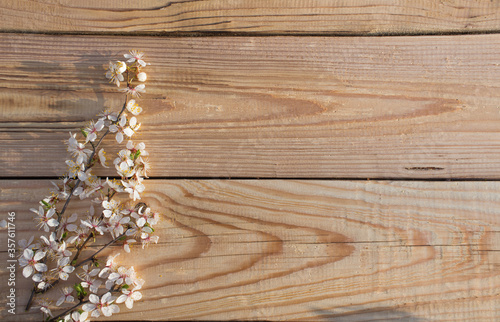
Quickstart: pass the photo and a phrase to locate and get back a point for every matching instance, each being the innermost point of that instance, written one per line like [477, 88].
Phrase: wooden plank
[256, 16]
[360, 107]
[308, 250]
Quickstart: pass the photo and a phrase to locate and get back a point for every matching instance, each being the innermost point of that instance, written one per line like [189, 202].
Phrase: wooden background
[315, 160]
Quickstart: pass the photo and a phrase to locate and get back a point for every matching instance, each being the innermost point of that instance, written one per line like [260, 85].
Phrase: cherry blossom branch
[132, 167]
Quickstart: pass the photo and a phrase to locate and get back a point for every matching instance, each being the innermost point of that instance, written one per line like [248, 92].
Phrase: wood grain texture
[255, 16]
[308, 250]
[360, 107]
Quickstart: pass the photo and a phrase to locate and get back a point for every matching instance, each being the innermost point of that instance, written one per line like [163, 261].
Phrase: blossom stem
[68, 310]
[91, 258]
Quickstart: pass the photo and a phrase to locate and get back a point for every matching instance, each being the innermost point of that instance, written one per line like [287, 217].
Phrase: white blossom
[134, 188]
[77, 317]
[135, 56]
[26, 244]
[119, 127]
[141, 77]
[45, 220]
[135, 91]
[116, 225]
[44, 307]
[133, 107]
[129, 297]
[103, 305]
[77, 149]
[66, 223]
[30, 262]
[66, 296]
[92, 284]
[92, 129]
[110, 266]
[63, 268]
[102, 158]
[114, 73]
[132, 128]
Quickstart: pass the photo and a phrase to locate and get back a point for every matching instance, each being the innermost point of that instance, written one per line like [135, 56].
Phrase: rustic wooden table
[315, 160]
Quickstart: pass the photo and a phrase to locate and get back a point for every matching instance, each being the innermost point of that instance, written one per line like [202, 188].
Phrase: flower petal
[27, 271]
[94, 298]
[41, 267]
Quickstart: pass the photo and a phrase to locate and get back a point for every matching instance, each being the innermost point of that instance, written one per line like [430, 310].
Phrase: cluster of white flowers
[56, 256]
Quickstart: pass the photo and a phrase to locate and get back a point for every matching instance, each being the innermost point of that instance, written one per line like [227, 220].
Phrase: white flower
[108, 116]
[132, 128]
[129, 297]
[135, 91]
[61, 192]
[66, 223]
[125, 168]
[88, 272]
[126, 244]
[116, 225]
[92, 129]
[102, 158]
[115, 184]
[111, 208]
[146, 216]
[80, 236]
[122, 67]
[77, 149]
[66, 296]
[74, 169]
[133, 108]
[148, 239]
[114, 73]
[118, 128]
[104, 305]
[77, 317]
[44, 307]
[92, 284]
[45, 219]
[143, 166]
[110, 266]
[26, 244]
[134, 188]
[30, 262]
[121, 276]
[134, 148]
[42, 280]
[94, 223]
[93, 184]
[135, 56]
[63, 268]
[53, 247]
[141, 77]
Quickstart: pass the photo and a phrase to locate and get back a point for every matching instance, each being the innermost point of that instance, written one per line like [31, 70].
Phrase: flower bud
[142, 77]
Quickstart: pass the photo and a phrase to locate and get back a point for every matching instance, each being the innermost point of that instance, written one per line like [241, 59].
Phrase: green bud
[125, 286]
[84, 132]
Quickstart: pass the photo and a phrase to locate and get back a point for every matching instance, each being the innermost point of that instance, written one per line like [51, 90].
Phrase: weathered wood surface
[308, 250]
[252, 16]
[348, 107]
